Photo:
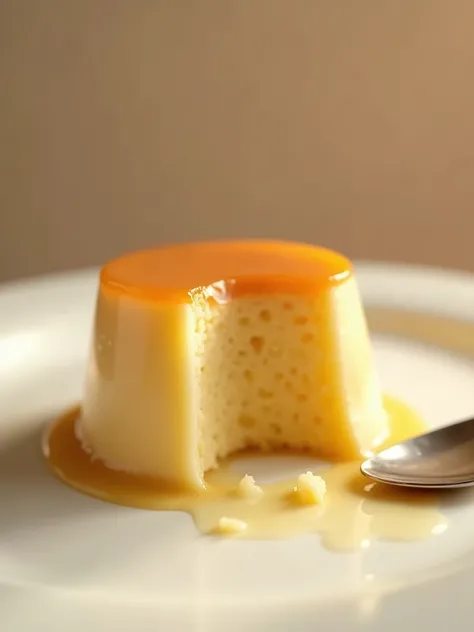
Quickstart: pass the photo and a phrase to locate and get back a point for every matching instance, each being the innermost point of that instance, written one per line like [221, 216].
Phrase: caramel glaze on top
[225, 270]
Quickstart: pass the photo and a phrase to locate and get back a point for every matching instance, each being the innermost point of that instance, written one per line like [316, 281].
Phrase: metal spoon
[440, 458]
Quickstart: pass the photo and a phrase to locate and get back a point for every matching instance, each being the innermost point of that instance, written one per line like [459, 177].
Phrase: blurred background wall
[126, 123]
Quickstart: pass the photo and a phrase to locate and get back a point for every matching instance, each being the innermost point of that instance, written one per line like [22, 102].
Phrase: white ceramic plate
[70, 563]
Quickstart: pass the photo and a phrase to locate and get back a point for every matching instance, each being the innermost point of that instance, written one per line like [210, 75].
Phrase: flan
[201, 350]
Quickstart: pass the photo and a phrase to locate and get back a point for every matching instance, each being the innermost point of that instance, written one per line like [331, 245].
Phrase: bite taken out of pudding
[201, 350]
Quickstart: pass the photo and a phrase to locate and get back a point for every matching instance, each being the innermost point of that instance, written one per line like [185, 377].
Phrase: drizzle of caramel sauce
[355, 511]
[224, 270]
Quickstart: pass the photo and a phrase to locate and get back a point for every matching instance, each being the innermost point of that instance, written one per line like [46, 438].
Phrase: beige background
[129, 123]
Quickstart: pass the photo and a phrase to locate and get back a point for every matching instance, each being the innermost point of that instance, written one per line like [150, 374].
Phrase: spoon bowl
[440, 458]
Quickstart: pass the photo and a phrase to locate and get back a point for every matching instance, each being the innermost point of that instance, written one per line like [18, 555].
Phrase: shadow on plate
[30, 495]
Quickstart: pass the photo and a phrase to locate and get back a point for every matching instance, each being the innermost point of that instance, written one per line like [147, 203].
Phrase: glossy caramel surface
[226, 269]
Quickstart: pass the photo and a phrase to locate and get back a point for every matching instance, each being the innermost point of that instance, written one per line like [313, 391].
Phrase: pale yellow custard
[203, 351]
